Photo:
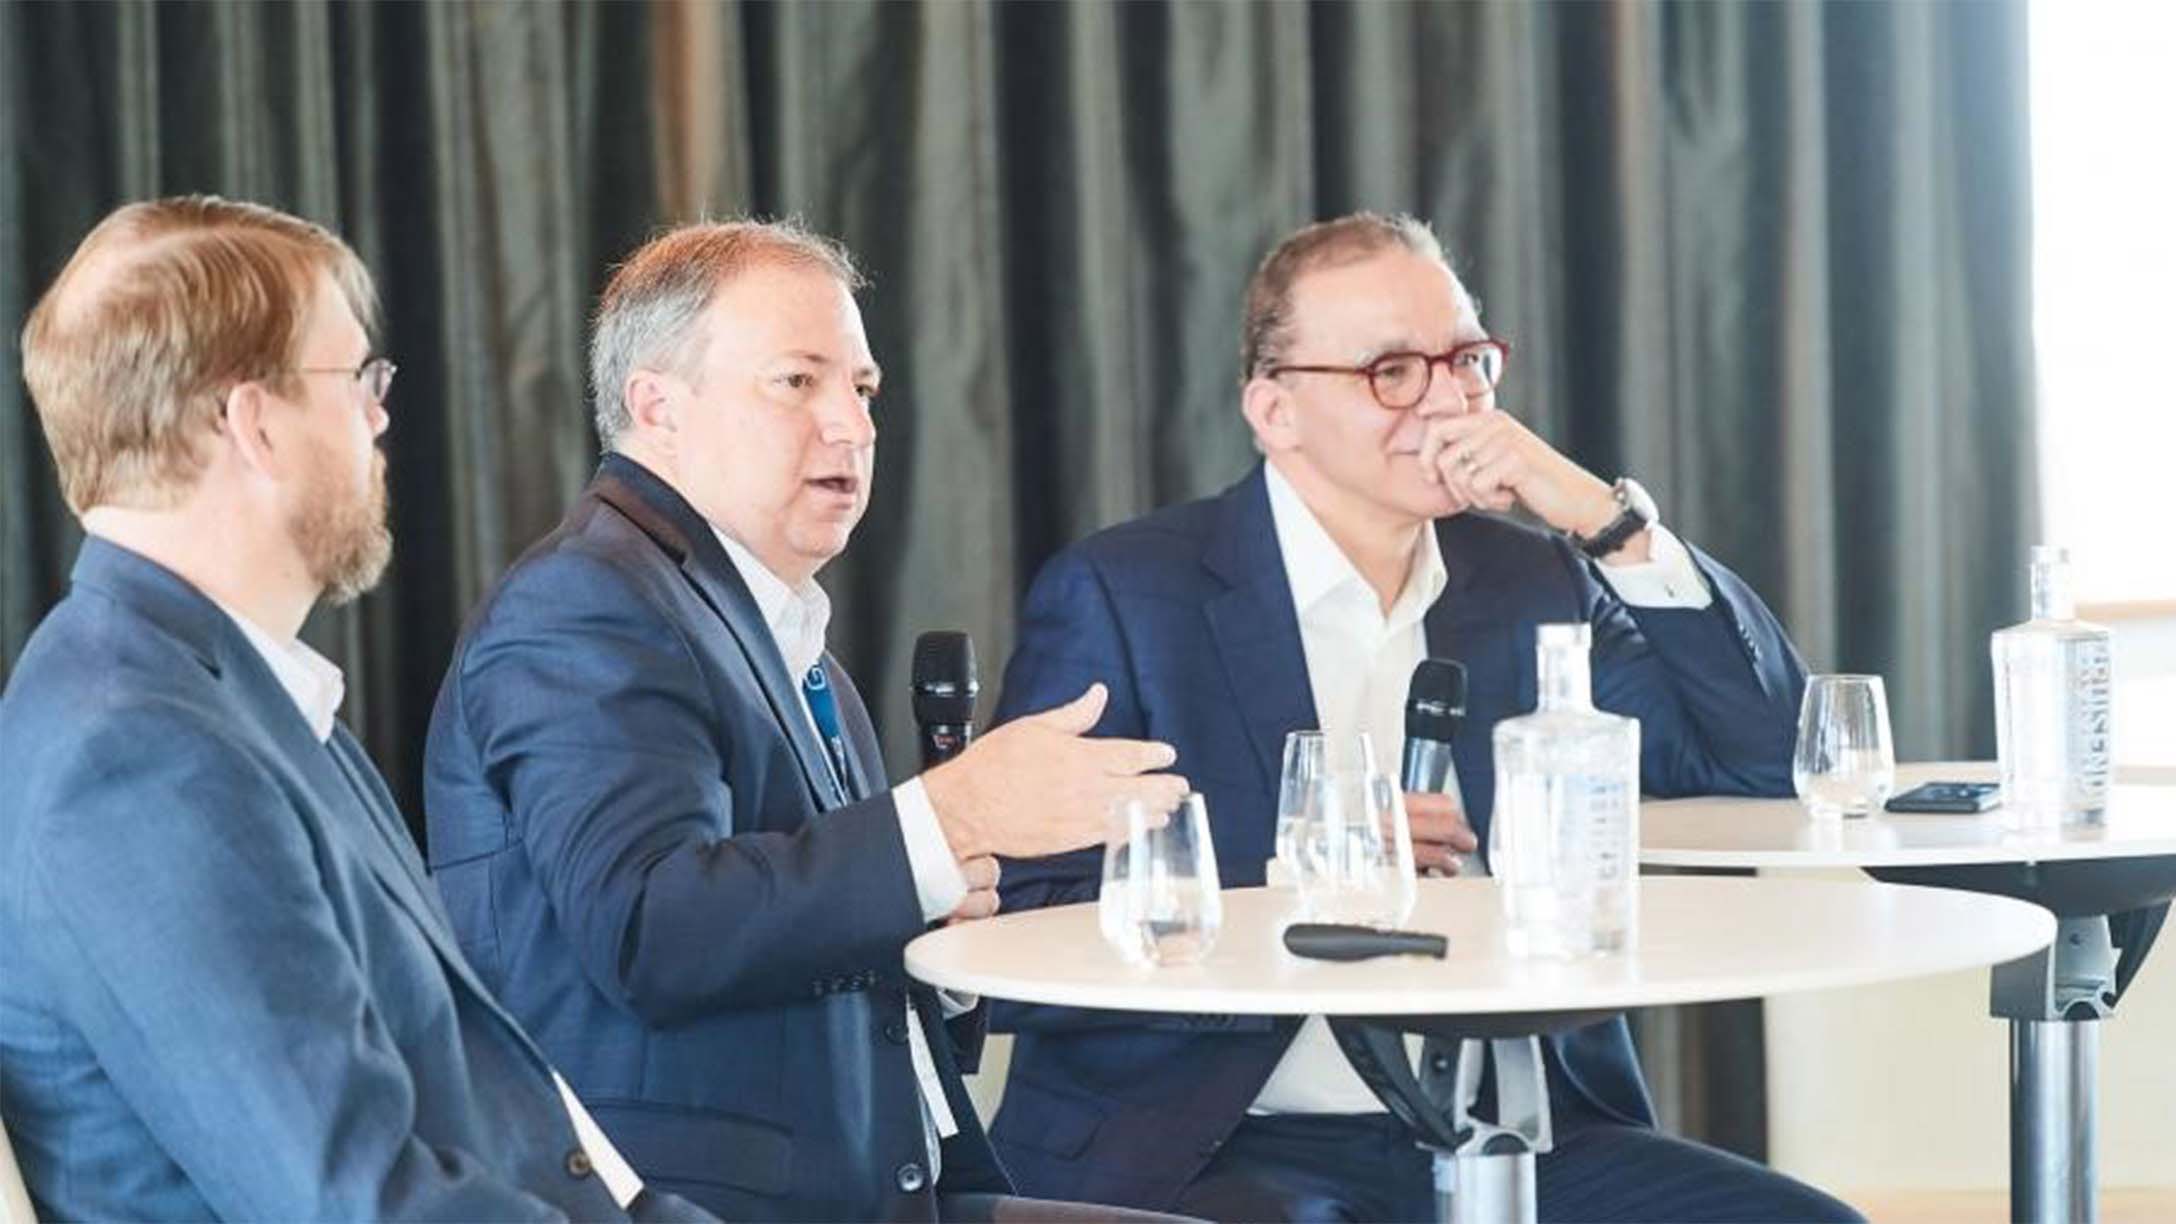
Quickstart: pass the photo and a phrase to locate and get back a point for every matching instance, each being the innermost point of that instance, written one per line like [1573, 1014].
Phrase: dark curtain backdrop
[1772, 259]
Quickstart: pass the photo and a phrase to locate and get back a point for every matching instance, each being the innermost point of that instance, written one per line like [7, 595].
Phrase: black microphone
[944, 694]
[1435, 703]
[1337, 941]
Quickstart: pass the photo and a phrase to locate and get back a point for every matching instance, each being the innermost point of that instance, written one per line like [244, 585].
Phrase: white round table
[1699, 940]
[2082, 872]
[1722, 831]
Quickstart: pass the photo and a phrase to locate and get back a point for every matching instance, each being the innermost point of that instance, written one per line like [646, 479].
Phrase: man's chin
[360, 570]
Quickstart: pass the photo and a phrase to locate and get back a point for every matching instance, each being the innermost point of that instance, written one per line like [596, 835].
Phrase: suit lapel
[1255, 627]
[357, 810]
[343, 796]
[666, 518]
[352, 804]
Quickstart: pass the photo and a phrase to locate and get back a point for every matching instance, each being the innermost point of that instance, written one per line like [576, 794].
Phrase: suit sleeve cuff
[1669, 578]
[938, 883]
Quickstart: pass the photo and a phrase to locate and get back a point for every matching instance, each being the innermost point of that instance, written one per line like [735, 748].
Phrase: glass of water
[1845, 764]
[1306, 760]
[1352, 848]
[1161, 903]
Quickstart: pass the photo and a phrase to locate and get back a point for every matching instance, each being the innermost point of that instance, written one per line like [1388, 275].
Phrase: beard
[343, 536]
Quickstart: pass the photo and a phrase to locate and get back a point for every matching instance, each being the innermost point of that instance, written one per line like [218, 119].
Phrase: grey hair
[649, 314]
[1265, 333]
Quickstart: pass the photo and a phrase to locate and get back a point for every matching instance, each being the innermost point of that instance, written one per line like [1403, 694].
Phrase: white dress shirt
[316, 686]
[1360, 661]
[798, 618]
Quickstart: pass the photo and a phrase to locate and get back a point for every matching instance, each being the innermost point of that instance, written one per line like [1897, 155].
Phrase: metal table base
[2055, 1001]
[1483, 1166]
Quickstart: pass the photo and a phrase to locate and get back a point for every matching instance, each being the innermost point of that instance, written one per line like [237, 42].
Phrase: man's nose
[847, 420]
[1447, 394]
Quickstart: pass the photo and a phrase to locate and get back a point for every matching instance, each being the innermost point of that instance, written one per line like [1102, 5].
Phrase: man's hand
[981, 898]
[1488, 459]
[1440, 833]
[1040, 786]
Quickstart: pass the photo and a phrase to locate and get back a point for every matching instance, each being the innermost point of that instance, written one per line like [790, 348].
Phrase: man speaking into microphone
[657, 812]
[1304, 597]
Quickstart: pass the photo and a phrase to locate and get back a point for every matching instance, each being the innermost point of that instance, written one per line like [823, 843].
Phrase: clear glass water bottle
[1564, 836]
[2054, 685]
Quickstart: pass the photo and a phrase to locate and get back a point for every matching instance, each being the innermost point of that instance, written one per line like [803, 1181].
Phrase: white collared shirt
[312, 681]
[1360, 663]
[797, 618]
[316, 685]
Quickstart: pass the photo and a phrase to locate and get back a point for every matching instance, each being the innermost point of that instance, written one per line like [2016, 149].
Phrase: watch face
[1635, 499]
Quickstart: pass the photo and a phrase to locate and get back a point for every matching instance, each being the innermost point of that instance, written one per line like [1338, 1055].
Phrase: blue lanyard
[823, 706]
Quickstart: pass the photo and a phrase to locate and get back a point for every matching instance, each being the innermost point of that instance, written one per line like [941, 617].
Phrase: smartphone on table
[1947, 798]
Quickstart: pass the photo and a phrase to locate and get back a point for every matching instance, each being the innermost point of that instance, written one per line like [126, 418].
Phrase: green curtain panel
[1772, 259]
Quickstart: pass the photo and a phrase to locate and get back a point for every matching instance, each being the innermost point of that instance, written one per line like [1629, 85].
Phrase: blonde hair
[163, 309]
[649, 312]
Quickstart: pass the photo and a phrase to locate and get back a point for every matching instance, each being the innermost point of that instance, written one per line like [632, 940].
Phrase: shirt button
[578, 1164]
[896, 1032]
[912, 1179]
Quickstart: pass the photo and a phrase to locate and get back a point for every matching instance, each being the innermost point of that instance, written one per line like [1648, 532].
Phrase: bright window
[2104, 271]
[2104, 318]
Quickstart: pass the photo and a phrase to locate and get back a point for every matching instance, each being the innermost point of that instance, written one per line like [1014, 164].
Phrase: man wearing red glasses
[1368, 539]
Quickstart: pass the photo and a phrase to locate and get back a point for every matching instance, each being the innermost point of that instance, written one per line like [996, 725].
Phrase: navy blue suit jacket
[645, 855]
[226, 987]
[1187, 616]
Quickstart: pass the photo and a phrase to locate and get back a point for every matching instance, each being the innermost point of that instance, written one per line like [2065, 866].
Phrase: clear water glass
[1845, 764]
[1352, 847]
[1306, 759]
[1161, 902]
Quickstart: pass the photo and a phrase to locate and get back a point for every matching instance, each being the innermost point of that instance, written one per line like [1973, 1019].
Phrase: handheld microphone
[1435, 703]
[944, 694]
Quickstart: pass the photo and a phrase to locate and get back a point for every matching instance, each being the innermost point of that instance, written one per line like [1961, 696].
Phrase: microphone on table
[1435, 703]
[944, 694]
[1337, 941]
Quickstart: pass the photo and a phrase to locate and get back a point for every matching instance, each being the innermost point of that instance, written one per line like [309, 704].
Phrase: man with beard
[229, 991]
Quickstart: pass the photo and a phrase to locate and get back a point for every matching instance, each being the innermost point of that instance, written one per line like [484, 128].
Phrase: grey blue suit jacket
[228, 990]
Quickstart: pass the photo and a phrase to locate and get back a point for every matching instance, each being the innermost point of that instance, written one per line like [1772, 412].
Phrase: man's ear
[246, 419]
[653, 406]
[1268, 407]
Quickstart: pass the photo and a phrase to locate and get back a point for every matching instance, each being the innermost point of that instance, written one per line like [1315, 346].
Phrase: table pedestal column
[1483, 1167]
[2053, 1064]
[2054, 1001]
[1491, 1170]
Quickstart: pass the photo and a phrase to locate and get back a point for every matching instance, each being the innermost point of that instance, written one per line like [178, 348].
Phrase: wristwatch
[1635, 513]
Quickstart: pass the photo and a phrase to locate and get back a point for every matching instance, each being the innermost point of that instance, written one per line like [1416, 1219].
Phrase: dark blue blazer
[226, 987]
[645, 855]
[1187, 616]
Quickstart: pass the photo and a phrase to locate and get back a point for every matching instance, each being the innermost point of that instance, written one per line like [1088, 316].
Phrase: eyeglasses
[374, 375]
[1401, 380]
